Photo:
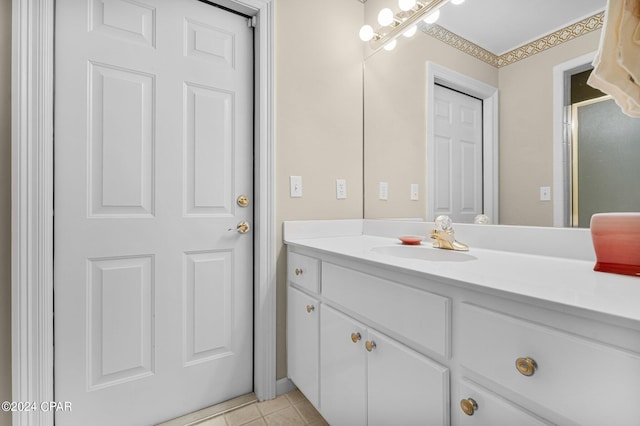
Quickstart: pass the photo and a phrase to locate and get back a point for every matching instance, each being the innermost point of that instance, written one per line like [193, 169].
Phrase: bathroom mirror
[396, 94]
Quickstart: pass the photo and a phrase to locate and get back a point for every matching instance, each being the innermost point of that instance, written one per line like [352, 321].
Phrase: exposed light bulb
[456, 2]
[410, 32]
[366, 33]
[391, 45]
[385, 17]
[406, 5]
[432, 17]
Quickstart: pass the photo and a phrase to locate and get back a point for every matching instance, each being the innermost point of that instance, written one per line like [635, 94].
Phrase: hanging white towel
[629, 39]
[608, 74]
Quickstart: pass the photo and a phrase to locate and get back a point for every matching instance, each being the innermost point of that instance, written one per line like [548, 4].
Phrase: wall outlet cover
[341, 189]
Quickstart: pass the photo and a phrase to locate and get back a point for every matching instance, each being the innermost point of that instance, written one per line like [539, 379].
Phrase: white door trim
[32, 204]
[561, 139]
[489, 95]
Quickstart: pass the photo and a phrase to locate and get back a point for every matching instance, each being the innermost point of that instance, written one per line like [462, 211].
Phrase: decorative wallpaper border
[563, 35]
[462, 44]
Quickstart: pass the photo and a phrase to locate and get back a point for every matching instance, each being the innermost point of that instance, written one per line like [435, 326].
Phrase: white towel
[629, 39]
[609, 75]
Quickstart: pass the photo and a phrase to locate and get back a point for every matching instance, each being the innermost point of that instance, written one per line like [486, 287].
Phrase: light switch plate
[414, 191]
[545, 193]
[295, 186]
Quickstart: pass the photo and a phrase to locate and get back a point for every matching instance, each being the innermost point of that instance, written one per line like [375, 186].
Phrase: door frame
[562, 136]
[32, 85]
[490, 130]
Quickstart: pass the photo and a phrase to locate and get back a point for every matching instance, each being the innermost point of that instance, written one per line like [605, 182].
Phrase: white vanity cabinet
[368, 378]
[392, 345]
[303, 328]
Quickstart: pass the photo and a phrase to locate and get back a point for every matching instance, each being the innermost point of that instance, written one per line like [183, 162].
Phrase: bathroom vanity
[519, 330]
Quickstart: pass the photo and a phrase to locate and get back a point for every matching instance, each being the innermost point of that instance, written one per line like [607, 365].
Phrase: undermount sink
[423, 253]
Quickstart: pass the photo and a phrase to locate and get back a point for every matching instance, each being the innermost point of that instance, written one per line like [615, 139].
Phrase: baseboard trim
[284, 386]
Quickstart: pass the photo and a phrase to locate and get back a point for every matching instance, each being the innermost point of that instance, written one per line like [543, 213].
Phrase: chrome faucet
[444, 235]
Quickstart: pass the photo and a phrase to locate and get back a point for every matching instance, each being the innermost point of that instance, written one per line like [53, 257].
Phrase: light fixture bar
[399, 25]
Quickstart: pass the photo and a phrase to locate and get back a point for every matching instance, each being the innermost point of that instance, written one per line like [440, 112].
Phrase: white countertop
[560, 280]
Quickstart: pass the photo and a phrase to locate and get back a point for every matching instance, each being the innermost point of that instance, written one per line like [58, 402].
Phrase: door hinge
[251, 22]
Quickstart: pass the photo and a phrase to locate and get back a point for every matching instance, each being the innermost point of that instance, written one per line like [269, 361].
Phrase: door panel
[458, 151]
[154, 142]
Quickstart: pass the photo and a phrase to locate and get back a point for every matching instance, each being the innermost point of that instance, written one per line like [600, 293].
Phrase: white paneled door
[153, 146]
[458, 155]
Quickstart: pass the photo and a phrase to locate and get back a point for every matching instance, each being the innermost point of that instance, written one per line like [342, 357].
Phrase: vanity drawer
[304, 271]
[581, 380]
[414, 315]
[490, 409]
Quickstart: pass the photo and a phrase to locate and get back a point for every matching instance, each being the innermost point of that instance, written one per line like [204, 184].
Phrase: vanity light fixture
[404, 22]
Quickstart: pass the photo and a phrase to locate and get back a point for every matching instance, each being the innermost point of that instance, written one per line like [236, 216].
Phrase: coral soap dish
[410, 240]
[616, 241]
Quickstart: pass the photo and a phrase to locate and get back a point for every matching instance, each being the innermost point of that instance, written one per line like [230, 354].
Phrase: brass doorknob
[310, 308]
[370, 345]
[526, 366]
[298, 272]
[243, 227]
[468, 406]
[355, 337]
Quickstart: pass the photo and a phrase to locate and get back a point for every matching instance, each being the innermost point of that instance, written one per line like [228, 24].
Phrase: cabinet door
[405, 388]
[343, 396]
[303, 343]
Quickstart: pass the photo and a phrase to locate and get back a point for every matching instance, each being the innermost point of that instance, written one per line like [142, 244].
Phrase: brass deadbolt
[243, 201]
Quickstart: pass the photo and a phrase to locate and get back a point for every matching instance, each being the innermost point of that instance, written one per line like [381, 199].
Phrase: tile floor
[290, 409]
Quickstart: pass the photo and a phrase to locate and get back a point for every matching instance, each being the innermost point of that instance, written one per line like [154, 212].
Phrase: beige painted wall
[318, 120]
[395, 120]
[5, 208]
[526, 131]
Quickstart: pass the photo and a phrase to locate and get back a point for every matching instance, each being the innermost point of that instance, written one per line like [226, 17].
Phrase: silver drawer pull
[298, 272]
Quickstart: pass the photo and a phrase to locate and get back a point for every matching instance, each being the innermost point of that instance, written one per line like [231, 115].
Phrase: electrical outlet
[545, 193]
[414, 192]
[383, 191]
[295, 186]
[341, 189]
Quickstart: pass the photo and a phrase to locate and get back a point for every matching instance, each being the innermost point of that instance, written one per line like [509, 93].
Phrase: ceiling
[500, 26]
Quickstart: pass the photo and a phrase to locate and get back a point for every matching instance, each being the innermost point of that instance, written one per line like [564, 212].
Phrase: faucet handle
[444, 223]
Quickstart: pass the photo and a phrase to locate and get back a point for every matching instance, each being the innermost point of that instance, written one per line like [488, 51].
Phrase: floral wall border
[563, 35]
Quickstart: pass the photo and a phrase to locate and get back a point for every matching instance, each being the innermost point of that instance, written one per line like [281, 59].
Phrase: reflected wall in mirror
[396, 116]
